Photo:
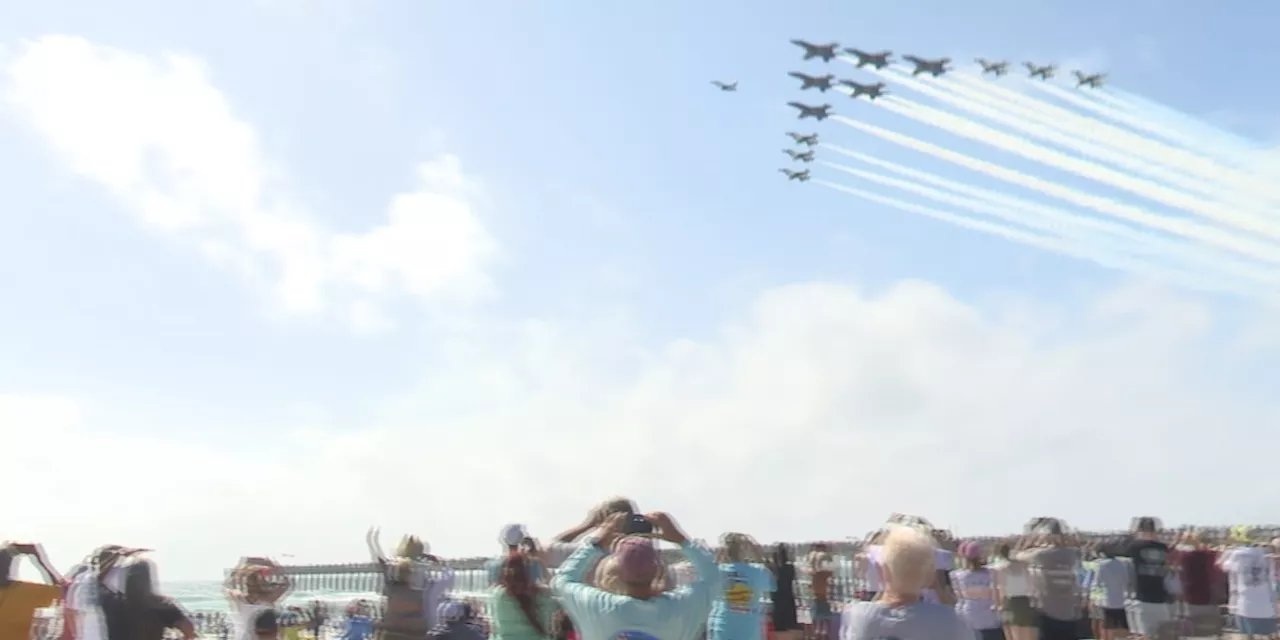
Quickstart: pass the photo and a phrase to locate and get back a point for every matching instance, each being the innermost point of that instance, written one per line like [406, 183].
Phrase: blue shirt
[358, 628]
[738, 610]
[679, 614]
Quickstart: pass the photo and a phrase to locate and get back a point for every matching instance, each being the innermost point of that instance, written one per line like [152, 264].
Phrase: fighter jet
[996, 68]
[725, 86]
[806, 111]
[934, 68]
[824, 51]
[1094, 81]
[821, 83]
[871, 91]
[877, 60]
[802, 176]
[1044, 72]
[799, 156]
[801, 138]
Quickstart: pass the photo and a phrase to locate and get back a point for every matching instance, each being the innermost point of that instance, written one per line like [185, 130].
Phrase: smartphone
[637, 524]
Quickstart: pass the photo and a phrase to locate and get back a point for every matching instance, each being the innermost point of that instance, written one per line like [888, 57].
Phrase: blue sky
[638, 218]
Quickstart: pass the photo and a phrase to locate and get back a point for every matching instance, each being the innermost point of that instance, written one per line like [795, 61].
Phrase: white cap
[512, 535]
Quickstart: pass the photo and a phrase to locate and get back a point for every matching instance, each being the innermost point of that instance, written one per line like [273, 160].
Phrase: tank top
[1014, 579]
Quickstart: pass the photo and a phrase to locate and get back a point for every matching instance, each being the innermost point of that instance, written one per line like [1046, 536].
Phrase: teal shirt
[508, 622]
[679, 614]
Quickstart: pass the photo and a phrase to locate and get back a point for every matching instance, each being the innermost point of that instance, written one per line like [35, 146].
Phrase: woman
[900, 612]
[254, 587]
[519, 608]
[975, 592]
[404, 587]
[786, 624]
[1013, 589]
[737, 611]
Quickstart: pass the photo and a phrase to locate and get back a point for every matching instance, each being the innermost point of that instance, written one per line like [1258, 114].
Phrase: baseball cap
[636, 558]
[512, 535]
[451, 611]
[971, 550]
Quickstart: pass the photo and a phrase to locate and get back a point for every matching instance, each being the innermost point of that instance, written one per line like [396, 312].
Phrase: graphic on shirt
[634, 635]
[737, 594]
[1153, 562]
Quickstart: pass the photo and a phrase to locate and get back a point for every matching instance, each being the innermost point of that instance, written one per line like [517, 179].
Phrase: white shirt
[1249, 572]
[244, 618]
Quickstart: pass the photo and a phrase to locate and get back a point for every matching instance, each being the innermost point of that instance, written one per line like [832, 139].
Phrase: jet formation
[877, 62]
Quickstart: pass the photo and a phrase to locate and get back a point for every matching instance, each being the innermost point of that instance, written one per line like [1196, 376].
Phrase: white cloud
[164, 142]
[815, 412]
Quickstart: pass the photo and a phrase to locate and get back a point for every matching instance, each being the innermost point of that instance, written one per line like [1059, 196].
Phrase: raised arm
[375, 546]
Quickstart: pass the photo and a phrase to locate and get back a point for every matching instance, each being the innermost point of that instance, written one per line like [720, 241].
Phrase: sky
[277, 271]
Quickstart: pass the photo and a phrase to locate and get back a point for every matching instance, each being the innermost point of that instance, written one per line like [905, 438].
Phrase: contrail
[1048, 244]
[975, 131]
[1177, 226]
[1181, 138]
[1052, 219]
[1227, 143]
[1127, 160]
[1110, 135]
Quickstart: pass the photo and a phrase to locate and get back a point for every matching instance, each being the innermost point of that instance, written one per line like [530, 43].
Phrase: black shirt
[1150, 565]
[784, 599]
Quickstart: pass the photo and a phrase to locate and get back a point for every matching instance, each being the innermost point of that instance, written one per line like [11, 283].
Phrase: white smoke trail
[1019, 121]
[1048, 114]
[1078, 226]
[1226, 142]
[1069, 249]
[1180, 137]
[1151, 191]
[1177, 226]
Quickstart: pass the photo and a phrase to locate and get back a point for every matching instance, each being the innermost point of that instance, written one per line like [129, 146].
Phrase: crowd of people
[608, 578]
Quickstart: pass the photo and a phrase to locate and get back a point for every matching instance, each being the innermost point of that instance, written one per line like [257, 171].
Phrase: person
[975, 593]
[21, 599]
[1054, 570]
[453, 623]
[253, 588]
[1107, 595]
[1197, 574]
[737, 610]
[900, 612]
[519, 608]
[565, 544]
[406, 587]
[1013, 589]
[639, 611]
[786, 624]
[358, 624]
[821, 568]
[1253, 597]
[1150, 560]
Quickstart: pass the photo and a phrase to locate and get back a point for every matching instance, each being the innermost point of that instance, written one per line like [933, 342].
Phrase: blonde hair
[909, 559]
[606, 577]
